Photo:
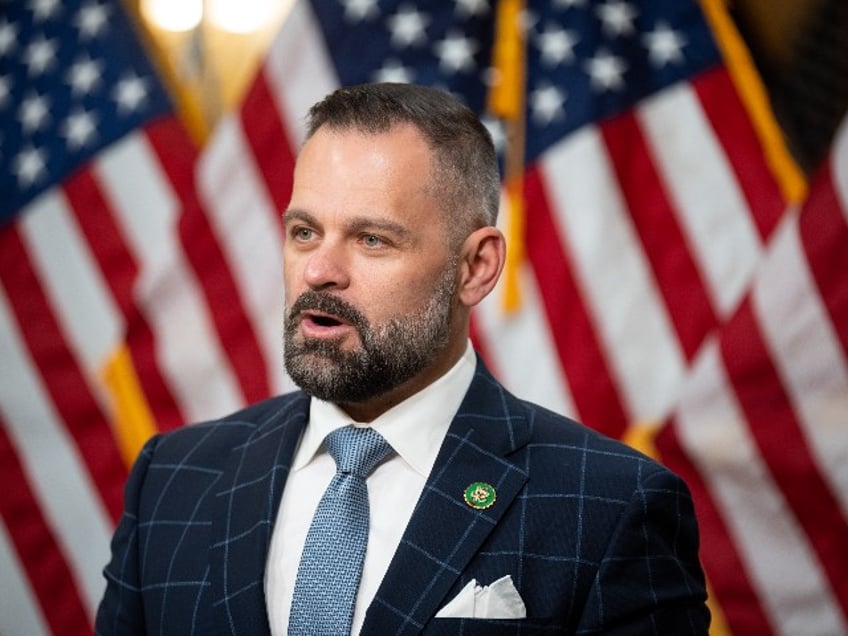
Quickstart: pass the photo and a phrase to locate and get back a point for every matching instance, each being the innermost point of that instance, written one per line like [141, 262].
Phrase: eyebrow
[298, 215]
[364, 224]
[356, 224]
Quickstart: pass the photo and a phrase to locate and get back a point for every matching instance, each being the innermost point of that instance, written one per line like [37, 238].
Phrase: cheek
[387, 297]
[292, 281]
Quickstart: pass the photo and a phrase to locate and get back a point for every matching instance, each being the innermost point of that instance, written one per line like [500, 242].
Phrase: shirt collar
[414, 428]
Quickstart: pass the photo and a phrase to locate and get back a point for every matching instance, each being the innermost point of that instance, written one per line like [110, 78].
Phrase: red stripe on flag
[596, 397]
[665, 245]
[742, 148]
[773, 425]
[63, 378]
[226, 309]
[37, 548]
[725, 571]
[269, 142]
[95, 220]
[824, 234]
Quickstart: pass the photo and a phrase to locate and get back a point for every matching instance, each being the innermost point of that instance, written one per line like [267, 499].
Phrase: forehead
[400, 146]
[354, 168]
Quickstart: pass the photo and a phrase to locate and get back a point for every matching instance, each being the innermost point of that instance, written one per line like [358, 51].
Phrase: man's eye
[302, 233]
[371, 240]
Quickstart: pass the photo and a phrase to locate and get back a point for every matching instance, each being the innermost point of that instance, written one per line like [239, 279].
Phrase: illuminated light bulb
[173, 15]
[240, 16]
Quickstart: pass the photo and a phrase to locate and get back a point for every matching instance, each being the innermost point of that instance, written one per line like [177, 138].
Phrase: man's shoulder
[552, 437]
[220, 435]
[561, 440]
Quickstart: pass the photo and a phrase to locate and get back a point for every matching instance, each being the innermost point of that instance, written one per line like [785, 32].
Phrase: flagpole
[506, 100]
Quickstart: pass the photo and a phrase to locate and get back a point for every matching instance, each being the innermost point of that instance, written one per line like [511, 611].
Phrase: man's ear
[481, 261]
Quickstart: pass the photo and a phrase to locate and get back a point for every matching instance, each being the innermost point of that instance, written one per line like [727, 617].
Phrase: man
[489, 515]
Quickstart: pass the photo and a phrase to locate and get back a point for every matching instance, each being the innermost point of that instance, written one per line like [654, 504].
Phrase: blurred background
[676, 207]
[800, 48]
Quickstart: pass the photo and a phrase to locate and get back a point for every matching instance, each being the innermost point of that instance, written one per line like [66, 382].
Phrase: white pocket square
[496, 600]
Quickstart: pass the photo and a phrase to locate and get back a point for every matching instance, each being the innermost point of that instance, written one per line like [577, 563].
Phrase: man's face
[368, 272]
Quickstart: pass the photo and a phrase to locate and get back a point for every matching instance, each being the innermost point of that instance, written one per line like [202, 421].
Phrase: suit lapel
[445, 532]
[245, 511]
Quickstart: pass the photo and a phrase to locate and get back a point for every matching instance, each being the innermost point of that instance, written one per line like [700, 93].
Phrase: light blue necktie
[331, 563]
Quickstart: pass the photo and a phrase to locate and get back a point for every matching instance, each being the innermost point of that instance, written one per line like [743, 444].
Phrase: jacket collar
[445, 532]
[246, 505]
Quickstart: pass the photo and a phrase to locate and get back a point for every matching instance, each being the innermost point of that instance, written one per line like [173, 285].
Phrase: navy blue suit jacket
[597, 538]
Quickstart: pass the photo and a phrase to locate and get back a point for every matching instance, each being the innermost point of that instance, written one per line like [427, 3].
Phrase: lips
[324, 316]
[323, 319]
[319, 324]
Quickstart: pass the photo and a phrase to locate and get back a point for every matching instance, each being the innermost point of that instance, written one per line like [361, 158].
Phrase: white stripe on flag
[714, 215]
[840, 166]
[522, 349]
[242, 216]
[778, 557]
[18, 604]
[299, 69]
[187, 345]
[613, 273]
[73, 282]
[806, 352]
[59, 480]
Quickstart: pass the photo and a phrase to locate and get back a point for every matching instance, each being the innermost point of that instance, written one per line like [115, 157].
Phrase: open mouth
[324, 317]
[325, 321]
[316, 324]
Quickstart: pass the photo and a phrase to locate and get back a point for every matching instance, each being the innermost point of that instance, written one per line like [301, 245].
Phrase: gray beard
[389, 355]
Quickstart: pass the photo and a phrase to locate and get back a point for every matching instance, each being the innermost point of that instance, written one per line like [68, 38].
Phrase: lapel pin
[480, 495]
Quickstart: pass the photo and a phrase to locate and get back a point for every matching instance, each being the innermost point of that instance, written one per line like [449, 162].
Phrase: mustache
[327, 303]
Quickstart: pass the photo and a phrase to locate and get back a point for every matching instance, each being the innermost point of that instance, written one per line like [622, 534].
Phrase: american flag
[119, 315]
[141, 281]
[760, 430]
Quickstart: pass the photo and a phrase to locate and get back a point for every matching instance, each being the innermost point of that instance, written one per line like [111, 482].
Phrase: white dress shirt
[415, 429]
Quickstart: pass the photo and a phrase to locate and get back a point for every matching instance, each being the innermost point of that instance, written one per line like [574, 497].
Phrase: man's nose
[327, 268]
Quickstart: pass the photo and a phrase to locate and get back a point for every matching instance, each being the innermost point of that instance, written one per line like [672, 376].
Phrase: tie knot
[357, 450]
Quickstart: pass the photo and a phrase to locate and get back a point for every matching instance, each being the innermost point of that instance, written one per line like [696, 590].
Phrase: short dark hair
[465, 166]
